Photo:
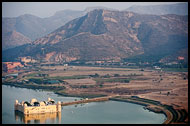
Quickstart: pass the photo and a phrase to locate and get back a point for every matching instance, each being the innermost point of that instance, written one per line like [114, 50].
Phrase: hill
[33, 27]
[12, 39]
[109, 35]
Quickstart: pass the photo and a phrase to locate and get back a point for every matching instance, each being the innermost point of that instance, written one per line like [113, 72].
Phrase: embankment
[173, 116]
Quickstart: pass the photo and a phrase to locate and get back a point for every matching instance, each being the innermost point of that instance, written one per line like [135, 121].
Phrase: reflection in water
[38, 118]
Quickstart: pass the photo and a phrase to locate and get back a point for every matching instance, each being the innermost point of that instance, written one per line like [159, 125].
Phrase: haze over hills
[33, 27]
[12, 39]
[109, 35]
[179, 9]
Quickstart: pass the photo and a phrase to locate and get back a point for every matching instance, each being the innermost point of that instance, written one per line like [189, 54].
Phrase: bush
[101, 85]
[168, 93]
[106, 76]
[83, 86]
[35, 80]
[95, 75]
[116, 75]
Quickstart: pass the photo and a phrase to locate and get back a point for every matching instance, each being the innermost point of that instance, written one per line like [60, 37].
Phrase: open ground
[169, 88]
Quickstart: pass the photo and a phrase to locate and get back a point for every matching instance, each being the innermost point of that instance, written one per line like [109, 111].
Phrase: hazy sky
[46, 9]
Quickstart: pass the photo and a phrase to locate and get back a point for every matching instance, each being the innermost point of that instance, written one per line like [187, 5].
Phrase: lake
[108, 112]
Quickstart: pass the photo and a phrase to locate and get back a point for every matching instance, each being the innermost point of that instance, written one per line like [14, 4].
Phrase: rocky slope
[109, 35]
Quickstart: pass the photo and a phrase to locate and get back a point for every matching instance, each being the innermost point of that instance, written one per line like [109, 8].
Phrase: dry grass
[80, 70]
[152, 85]
[81, 81]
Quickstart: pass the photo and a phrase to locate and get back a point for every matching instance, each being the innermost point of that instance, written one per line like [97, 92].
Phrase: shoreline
[168, 111]
[168, 118]
[172, 116]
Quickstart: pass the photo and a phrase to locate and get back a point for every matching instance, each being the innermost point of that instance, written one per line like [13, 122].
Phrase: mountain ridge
[107, 35]
[34, 27]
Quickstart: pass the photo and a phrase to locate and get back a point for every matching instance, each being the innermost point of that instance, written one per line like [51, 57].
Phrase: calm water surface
[93, 113]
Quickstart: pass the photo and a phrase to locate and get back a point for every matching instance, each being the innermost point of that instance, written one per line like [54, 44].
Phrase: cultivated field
[169, 88]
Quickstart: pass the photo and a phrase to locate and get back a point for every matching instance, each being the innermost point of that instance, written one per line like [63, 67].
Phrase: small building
[180, 58]
[65, 65]
[157, 68]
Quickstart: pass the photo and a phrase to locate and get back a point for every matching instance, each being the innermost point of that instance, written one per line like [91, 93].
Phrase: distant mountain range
[13, 38]
[109, 35]
[33, 27]
[179, 9]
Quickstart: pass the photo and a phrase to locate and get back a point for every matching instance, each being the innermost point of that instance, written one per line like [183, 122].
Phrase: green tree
[96, 75]
[116, 75]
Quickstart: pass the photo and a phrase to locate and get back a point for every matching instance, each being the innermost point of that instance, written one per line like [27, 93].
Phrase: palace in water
[38, 107]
